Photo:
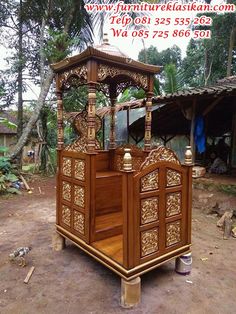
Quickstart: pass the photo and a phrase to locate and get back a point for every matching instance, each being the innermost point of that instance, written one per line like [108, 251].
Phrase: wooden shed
[177, 113]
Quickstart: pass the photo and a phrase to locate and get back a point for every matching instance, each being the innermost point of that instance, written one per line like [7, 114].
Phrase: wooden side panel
[162, 196]
[108, 194]
[102, 161]
[108, 205]
[73, 193]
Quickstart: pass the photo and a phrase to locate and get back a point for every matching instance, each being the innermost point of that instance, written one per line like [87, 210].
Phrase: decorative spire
[105, 39]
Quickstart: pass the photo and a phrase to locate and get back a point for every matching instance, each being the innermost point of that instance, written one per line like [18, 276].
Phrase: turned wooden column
[91, 117]
[112, 144]
[112, 95]
[60, 132]
[148, 122]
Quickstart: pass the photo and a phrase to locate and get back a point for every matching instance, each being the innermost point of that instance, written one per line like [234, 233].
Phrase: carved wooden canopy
[107, 69]
[98, 65]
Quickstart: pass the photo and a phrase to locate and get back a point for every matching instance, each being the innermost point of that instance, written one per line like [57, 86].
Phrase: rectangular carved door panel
[160, 202]
[73, 194]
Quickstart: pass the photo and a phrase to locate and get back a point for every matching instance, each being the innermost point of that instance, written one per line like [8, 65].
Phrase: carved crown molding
[160, 154]
[105, 71]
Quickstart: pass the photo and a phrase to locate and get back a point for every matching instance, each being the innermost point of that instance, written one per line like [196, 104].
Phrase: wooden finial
[188, 160]
[127, 160]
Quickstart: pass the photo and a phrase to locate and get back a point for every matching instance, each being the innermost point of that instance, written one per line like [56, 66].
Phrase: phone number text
[144, 33]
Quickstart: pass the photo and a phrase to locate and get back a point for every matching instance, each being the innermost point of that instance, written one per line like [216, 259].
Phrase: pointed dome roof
[110, 49]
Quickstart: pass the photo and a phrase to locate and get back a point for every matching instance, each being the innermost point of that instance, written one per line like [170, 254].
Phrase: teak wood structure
[130, 209]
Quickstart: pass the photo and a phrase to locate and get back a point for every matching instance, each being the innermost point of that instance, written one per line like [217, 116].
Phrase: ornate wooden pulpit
[129, 208]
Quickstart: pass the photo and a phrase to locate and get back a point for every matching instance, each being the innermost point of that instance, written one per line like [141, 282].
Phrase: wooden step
[108, 221]
[108, 225]
[107, 174]
[112, 247]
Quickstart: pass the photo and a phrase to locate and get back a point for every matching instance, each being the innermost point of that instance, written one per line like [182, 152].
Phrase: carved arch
[160, 154]
[105, 71]
[73, 77]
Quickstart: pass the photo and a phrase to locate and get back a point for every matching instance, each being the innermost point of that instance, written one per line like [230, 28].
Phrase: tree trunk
[20, 82]
[35, 114]
[231, 48]
[45, 86]
[44, 131]
[207, 66]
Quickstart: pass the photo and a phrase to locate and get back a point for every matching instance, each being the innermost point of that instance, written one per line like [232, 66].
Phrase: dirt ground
[71, 282]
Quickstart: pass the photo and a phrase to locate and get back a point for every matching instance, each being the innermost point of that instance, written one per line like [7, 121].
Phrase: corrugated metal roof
[220, 88]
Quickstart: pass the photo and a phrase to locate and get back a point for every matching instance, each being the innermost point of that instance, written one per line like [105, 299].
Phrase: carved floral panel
[79, 222]
[173, 204]
[160, 154]
[66, 191]
[66, 215]
[173, 177]
[173, 233]
[79, 169]
[149, 242]
[73, 77]
[79, 196]
[137, 162]
[105, 71]
[66, 166]
[149, 210]
[150, 181]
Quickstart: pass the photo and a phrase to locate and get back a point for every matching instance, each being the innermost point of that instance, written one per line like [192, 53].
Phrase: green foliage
[167, 56]
[229, 189]
[7, 177]
[132, 93]
[193, 66]
[5, 164]
[75, 99]
[170, 79]
[58, 46]
[206, 59]
[174, 80]
[138, 93]
[7, 88]
[28, 168]
[5, 184]
[13, 191]
[8, 123]
[3, 149]
[11, 177]
[156, 87]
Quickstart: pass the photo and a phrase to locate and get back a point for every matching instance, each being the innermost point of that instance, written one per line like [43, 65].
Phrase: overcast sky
[129, 46]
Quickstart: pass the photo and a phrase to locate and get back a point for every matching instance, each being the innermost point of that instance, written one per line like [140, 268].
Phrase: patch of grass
[210, 186]
[229, 189]
[28, 168]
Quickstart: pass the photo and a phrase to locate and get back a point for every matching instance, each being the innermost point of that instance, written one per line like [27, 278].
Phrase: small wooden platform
[108, 221]
[107, 174]
[112, 247]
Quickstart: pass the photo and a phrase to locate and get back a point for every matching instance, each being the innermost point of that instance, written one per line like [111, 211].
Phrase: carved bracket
[80, 124]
